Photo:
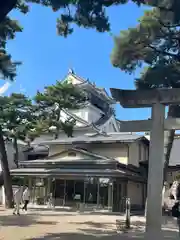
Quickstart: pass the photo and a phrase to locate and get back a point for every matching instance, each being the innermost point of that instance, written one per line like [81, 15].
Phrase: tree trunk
[6, 173]
[16, 152]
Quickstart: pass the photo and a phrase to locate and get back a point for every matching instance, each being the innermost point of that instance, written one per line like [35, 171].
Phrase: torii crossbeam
[157, 99]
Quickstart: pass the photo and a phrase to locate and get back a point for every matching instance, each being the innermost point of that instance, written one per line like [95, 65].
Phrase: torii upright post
[157, 99]
[155, 174]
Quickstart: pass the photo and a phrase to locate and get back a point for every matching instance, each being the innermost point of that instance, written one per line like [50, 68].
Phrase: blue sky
[47, 57]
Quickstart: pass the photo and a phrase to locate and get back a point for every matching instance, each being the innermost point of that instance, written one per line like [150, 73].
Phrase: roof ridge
[86, 152]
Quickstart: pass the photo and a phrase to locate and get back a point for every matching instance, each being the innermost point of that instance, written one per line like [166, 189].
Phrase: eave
[33, 172]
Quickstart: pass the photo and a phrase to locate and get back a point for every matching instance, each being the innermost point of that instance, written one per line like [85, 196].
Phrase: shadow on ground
[114, 229]
[50, 214]
[74, 211]
[95, 235]
[91, 230]
[22, 221]
[39, 208]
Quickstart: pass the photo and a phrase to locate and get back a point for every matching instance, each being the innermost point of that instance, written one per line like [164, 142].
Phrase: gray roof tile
[96, 138]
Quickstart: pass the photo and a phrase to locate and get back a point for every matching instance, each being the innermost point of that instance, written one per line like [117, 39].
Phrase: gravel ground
[66, 225]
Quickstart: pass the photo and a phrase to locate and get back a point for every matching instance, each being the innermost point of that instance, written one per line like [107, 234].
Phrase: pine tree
[155, 45]
[18, 117]
[61, 95]
[8, 30]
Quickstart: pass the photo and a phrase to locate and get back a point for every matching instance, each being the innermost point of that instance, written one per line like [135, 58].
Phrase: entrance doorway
[117, 197]
[92, 192]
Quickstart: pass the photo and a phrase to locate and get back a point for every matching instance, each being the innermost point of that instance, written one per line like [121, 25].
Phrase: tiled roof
[96, 138]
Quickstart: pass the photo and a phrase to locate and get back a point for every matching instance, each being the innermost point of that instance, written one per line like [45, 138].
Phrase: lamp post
[128, 213]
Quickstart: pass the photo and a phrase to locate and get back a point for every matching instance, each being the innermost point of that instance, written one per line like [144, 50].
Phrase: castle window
[71, 154]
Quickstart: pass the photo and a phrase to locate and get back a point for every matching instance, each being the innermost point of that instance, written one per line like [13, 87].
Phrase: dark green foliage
[89, 13]
[154, 42]
[17, 115]
[22, 6]
[60, 96]
[92, 13]
[8, 30]
[7, 66]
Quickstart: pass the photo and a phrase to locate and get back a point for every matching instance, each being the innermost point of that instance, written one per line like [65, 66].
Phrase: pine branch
[165, 53]
[5, 7]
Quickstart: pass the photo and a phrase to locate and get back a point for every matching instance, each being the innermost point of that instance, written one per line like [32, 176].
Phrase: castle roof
[86, 84]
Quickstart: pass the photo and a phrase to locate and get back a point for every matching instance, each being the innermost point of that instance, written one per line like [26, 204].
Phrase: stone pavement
[66, 225]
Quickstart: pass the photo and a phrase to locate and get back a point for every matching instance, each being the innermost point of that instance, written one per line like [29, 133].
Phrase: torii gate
[157, 99]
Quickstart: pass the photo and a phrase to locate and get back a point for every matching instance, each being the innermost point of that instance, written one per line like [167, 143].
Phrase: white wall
[117, 151]
[143, 152]
[89, 114]
[124, 153]
[138, 152]
[93, 113]
[134, 154]
[73, 80]
[135, 193]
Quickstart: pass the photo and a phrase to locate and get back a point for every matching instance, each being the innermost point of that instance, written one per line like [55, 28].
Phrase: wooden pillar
[84, 196]
[30, 187]
[110, 194]
[34, 189]
[49, 180]
[98, 196]
[64, 199]
[155, 174]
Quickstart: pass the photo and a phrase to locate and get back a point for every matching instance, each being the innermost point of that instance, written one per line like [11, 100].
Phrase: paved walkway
[64, 225]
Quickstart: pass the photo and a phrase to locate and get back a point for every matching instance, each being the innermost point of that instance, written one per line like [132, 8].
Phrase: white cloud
[4, 88]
